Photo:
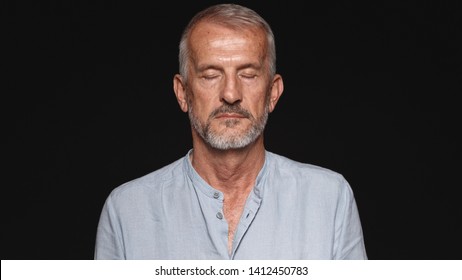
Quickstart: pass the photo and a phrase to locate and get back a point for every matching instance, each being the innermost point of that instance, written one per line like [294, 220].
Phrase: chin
[231, 142]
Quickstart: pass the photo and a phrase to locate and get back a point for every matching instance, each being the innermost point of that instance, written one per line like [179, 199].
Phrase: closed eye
[248, 76]
[210, 77]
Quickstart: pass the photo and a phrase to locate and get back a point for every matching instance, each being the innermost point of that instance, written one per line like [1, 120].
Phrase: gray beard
[228, 142]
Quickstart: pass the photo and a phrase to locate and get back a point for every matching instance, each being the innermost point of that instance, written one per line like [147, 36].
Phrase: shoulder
[292, 172]
[290, 167]
[151, 182]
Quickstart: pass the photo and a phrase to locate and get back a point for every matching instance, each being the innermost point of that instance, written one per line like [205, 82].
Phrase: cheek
[259, 105]
[202, 108]
[202, 99]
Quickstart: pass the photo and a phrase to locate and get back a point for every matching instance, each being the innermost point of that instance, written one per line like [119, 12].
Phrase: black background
[371, 91]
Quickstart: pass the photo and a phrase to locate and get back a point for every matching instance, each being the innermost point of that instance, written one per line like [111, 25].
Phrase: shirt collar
[211, 192]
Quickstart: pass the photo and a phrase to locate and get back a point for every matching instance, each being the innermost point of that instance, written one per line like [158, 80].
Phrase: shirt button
[216, 195]
[219, 215]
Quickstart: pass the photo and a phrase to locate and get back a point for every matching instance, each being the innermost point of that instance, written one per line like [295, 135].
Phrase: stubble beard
[226, 141]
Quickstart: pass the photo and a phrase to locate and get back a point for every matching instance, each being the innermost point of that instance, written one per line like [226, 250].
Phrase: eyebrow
[204, 67]
[250, 65]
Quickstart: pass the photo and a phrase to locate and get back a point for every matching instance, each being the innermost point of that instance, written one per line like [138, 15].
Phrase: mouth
[229, 116]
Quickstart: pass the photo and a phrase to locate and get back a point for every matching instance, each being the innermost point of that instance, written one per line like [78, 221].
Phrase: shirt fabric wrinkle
[187, 225]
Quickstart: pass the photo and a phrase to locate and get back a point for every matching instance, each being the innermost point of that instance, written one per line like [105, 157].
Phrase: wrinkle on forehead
[225, 44]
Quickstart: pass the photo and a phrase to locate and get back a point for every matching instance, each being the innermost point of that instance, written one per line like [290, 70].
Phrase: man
[229, 198]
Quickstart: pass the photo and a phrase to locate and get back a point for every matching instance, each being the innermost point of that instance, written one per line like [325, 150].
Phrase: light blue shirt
[295, 211]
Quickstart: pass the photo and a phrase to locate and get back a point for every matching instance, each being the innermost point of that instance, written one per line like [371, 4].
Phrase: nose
[231, 93]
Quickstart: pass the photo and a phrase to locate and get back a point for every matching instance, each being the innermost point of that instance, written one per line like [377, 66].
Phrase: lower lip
[230, 116]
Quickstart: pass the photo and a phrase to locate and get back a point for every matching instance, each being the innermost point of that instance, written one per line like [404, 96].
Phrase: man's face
[228, 86]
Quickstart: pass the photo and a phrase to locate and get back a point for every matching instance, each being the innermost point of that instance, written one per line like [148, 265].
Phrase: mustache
[236, 109]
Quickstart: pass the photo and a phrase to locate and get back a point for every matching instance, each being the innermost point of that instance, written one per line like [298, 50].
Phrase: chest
[233, 209]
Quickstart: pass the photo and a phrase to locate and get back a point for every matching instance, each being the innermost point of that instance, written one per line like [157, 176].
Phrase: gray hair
[233, 16]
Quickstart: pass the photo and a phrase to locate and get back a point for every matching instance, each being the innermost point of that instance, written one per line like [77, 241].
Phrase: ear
[277, 88]
[180, 91]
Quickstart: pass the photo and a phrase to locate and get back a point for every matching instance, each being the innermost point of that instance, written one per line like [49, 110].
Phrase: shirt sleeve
[109, 244]
[349, 240]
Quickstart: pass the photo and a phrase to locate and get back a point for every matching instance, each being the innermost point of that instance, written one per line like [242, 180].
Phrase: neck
[229, 171]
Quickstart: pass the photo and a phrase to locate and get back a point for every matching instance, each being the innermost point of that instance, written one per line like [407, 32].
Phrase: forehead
[208, 37]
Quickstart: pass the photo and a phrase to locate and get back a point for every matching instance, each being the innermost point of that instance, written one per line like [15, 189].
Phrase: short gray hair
[233, 16]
